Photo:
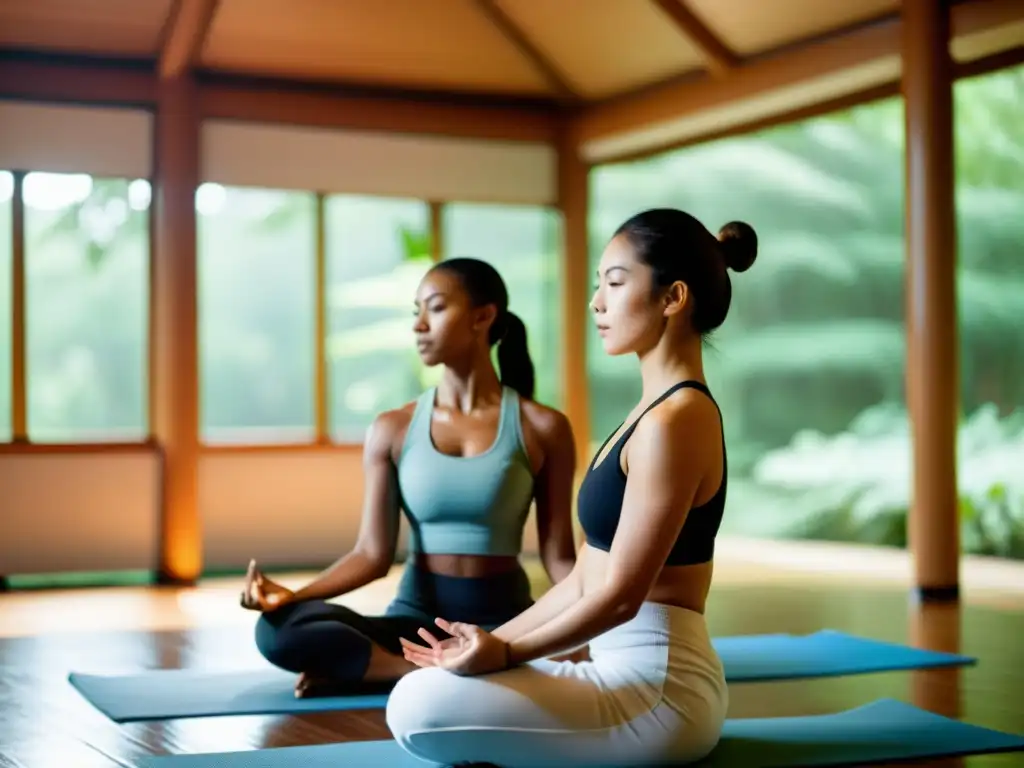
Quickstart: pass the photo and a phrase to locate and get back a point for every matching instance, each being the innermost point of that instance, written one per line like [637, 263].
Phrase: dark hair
[676, 246]
[484, 286]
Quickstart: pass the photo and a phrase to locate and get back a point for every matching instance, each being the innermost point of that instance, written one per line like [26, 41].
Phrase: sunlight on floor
[215, 602]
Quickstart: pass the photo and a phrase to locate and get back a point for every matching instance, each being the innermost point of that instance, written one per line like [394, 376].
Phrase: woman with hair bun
[650, 505]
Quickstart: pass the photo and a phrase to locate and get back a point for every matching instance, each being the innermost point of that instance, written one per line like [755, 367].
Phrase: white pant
[653, 693]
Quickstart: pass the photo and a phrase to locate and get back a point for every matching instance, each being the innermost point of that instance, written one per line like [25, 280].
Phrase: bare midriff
[466, 566]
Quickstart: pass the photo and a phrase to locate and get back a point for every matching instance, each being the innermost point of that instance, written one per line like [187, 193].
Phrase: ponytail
[515, 367]
[484, 285]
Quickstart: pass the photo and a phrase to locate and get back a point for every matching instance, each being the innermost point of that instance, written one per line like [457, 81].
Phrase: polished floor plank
[44, 722]
[738, 562]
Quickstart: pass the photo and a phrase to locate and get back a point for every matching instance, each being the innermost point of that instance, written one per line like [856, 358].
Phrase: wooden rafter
[719, 58]
[851, 62]
[184, 35]
[840, 69]
[522, 43]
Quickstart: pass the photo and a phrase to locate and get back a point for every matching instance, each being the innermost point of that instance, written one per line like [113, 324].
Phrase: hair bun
[739, 245]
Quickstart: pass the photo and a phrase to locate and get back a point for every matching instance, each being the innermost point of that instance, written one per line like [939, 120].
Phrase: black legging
[333, 642]
[330, 641]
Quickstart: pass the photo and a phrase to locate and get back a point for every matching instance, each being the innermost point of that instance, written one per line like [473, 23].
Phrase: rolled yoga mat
[168, 694]
[883, 731]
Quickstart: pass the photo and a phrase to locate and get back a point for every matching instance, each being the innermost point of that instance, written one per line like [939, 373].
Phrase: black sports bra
[599, 501]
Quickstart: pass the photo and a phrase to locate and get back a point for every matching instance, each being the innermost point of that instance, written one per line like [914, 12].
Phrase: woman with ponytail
[465, 462]
[514, 357]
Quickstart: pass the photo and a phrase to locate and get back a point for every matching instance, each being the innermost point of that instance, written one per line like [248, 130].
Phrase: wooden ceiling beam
[719, 58]
[398, 114]
[78, 82]
[855, 60]
[184, 35]
[511, 31]
[665, 115]
[113, 84]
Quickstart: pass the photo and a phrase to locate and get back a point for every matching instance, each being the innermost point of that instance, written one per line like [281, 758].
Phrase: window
[990, 291]
[522, 243]
[809, 367]
[6, 235]
[87, 307]
[257, 275]
[377, 251]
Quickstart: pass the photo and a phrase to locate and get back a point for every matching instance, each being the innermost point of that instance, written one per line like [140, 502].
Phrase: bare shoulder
[386, 432]
[548, 424]
[688, 418]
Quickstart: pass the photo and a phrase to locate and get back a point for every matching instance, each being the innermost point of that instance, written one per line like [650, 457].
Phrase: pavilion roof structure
[636, 76]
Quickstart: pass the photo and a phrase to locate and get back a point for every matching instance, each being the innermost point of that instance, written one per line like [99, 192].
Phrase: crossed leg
[330, 646]
[549, 713]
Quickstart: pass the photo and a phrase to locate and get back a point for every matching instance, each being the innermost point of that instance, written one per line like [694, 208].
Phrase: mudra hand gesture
[261, 594]
[469, 651]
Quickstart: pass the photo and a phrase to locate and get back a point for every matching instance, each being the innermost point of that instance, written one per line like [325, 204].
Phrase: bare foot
[312, 686]
[385, 668]
[385, 665]
[306, 684]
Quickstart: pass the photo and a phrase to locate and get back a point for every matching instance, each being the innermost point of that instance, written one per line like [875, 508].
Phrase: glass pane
[6, 197]
[990, 290]
[522, 243]
[378, 249]
[87, 307]
[257, 282]
[809, 367]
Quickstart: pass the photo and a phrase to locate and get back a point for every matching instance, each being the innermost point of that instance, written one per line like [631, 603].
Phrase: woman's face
[630, 316]
[447, 327]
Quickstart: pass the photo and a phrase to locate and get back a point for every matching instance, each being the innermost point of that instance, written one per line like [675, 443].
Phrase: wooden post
[321, 385]
[175, 371]
[573, 201]
[936, 627]
[436, 232]
[19, 377]
[932, 357]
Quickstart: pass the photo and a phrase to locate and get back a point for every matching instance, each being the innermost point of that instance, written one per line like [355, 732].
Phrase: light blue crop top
[466, 505]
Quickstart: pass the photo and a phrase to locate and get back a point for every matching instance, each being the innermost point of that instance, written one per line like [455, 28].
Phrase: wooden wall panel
[65, 511]
[75, 139]
[427, 167]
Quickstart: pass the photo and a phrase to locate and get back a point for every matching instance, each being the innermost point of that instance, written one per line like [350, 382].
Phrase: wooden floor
[760, 587]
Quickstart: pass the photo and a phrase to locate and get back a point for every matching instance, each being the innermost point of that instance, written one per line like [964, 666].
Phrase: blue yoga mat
[167, 694]
[882, 731]
[828, 653]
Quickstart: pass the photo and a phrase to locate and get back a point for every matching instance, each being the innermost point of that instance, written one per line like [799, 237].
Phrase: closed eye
[434, 308]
